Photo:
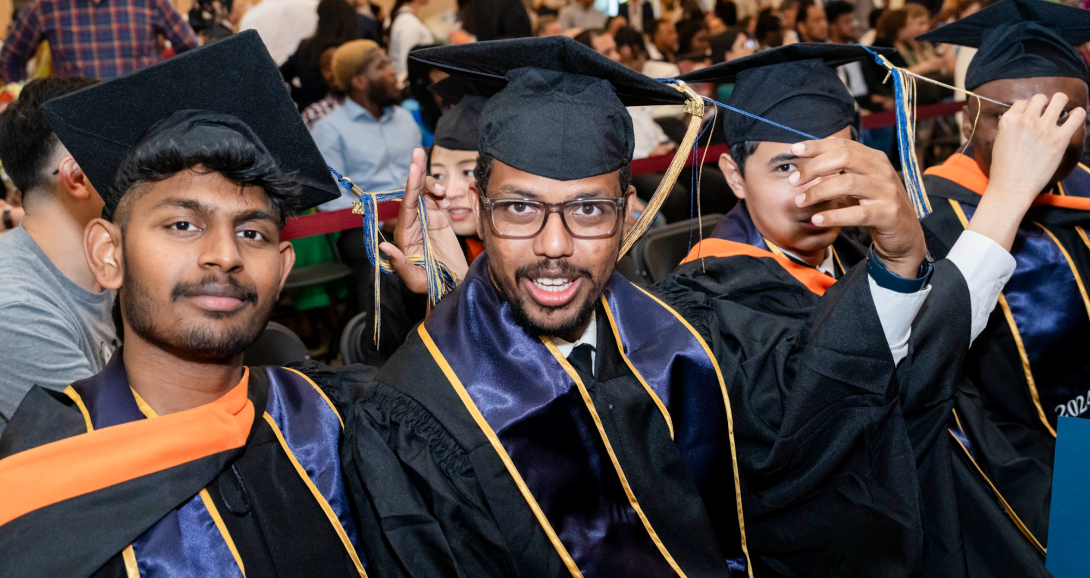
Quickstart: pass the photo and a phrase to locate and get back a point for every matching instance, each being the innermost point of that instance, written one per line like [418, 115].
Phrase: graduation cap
[556, 109]
[230, 89]
[1020, 39]
[457, 128]
[794, 86]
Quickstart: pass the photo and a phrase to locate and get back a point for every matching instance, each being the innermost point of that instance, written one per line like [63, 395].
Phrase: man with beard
[176, 460]
[1032, 362]
[965, 525]
[368, 139]
[556, 420]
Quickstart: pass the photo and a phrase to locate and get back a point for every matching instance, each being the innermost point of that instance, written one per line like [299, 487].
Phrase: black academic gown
[827, 473]
[952, 488]
[276, 503]
[1032, 361]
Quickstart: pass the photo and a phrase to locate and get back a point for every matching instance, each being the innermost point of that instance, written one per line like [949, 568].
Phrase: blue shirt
[374, 153]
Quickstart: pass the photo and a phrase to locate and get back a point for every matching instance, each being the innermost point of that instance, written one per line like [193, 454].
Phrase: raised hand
[1028, 149]
[409, 237]
[870, 193]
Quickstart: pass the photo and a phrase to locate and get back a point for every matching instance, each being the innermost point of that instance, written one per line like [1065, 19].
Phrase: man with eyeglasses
[553, 419]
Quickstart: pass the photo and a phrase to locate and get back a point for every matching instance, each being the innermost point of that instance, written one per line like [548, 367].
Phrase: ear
[474, 201]
[359, 82]
[629, 198]
[74, 180]
[105, 256]
[968, 118]
[734, 176]
[287, 261]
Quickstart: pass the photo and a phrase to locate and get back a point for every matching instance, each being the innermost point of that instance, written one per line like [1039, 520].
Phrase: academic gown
[951, 486]
[807, 471]
[1032, 362]
[250, 482]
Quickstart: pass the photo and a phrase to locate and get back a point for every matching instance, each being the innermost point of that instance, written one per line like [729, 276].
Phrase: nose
[219, 250]
[554, 241]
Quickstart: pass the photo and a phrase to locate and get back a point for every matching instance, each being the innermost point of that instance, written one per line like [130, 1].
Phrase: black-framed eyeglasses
[583, 218]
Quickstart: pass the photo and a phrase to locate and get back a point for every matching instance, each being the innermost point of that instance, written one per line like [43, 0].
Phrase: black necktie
[580, 359]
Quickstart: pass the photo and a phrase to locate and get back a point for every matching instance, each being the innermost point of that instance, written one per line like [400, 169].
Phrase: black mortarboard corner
[557, 108]
[1020, 39]
[230, 89]
[457, 127]
[795, 86]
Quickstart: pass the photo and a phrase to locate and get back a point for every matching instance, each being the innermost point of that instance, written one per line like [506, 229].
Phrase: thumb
[397, 259]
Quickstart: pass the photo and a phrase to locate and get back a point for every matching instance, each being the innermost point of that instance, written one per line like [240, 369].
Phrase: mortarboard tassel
[440, 279]
[904, 90]
[694, 106]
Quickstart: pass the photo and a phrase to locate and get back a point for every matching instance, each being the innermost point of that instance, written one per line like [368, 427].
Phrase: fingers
[410, 274]
[834, 188]
[870, 216]
[1074, 122]
[415, 184]
[1036, 105]
[1054, 108]
[833, 156]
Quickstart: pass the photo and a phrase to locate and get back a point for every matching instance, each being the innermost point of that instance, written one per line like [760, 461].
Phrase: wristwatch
[889, 280]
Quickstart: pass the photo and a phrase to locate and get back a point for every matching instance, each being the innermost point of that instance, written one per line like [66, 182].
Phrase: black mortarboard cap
[1020, 39]
[557, 108]
[457, 128]
[794, 85]
[231, 89]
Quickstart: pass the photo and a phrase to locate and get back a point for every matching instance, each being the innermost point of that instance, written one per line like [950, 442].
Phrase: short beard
[378, 94]
[199, 343]
[522, 318]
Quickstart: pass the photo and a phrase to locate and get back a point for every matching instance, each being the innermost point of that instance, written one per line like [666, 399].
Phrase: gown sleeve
[414, 489]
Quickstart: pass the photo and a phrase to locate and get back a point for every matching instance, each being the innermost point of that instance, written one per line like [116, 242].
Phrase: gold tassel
[694, 106]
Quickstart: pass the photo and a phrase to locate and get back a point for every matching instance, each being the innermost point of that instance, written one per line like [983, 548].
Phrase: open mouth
[553, 291]
[459, 213]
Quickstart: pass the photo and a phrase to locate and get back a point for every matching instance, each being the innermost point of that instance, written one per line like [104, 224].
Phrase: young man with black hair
[54, 313]
[176, 459]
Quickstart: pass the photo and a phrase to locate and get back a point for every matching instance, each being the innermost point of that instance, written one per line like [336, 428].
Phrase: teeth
[553, 285]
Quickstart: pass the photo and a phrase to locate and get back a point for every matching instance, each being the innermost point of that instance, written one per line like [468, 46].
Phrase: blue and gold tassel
[440, 278]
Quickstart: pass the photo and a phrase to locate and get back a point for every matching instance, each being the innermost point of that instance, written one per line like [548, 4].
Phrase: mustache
[550, 268]
[215, 285]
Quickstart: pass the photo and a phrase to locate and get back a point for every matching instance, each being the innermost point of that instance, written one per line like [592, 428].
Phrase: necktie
[580, 359]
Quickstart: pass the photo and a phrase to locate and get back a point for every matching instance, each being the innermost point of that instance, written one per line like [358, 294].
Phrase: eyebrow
[782, 158]
[199, 207]
[511, 192]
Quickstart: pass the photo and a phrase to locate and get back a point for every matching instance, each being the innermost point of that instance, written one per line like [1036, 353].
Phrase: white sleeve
[986, 267]
[897, 311]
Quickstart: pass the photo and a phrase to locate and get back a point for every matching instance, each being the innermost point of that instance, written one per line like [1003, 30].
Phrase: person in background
[86, 39]
[10, 215]
[334, 95]
[899, 29]
[841, 22]
[727, 11]
[56, 320]
[868, 37]
[768, 30]
[615, 23]
[730, 45]
[368, 139]
[583, 15]
[789, 12]
[407, 31]
[601, 41]
[303, 69]
[368, 17]
[548, 25]
[282, 24]
[811, 23]
[425, 104]
[495, 19]
[693, 42]
[631, 48]
[663, 45]
[211, 20]
[638, 13]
